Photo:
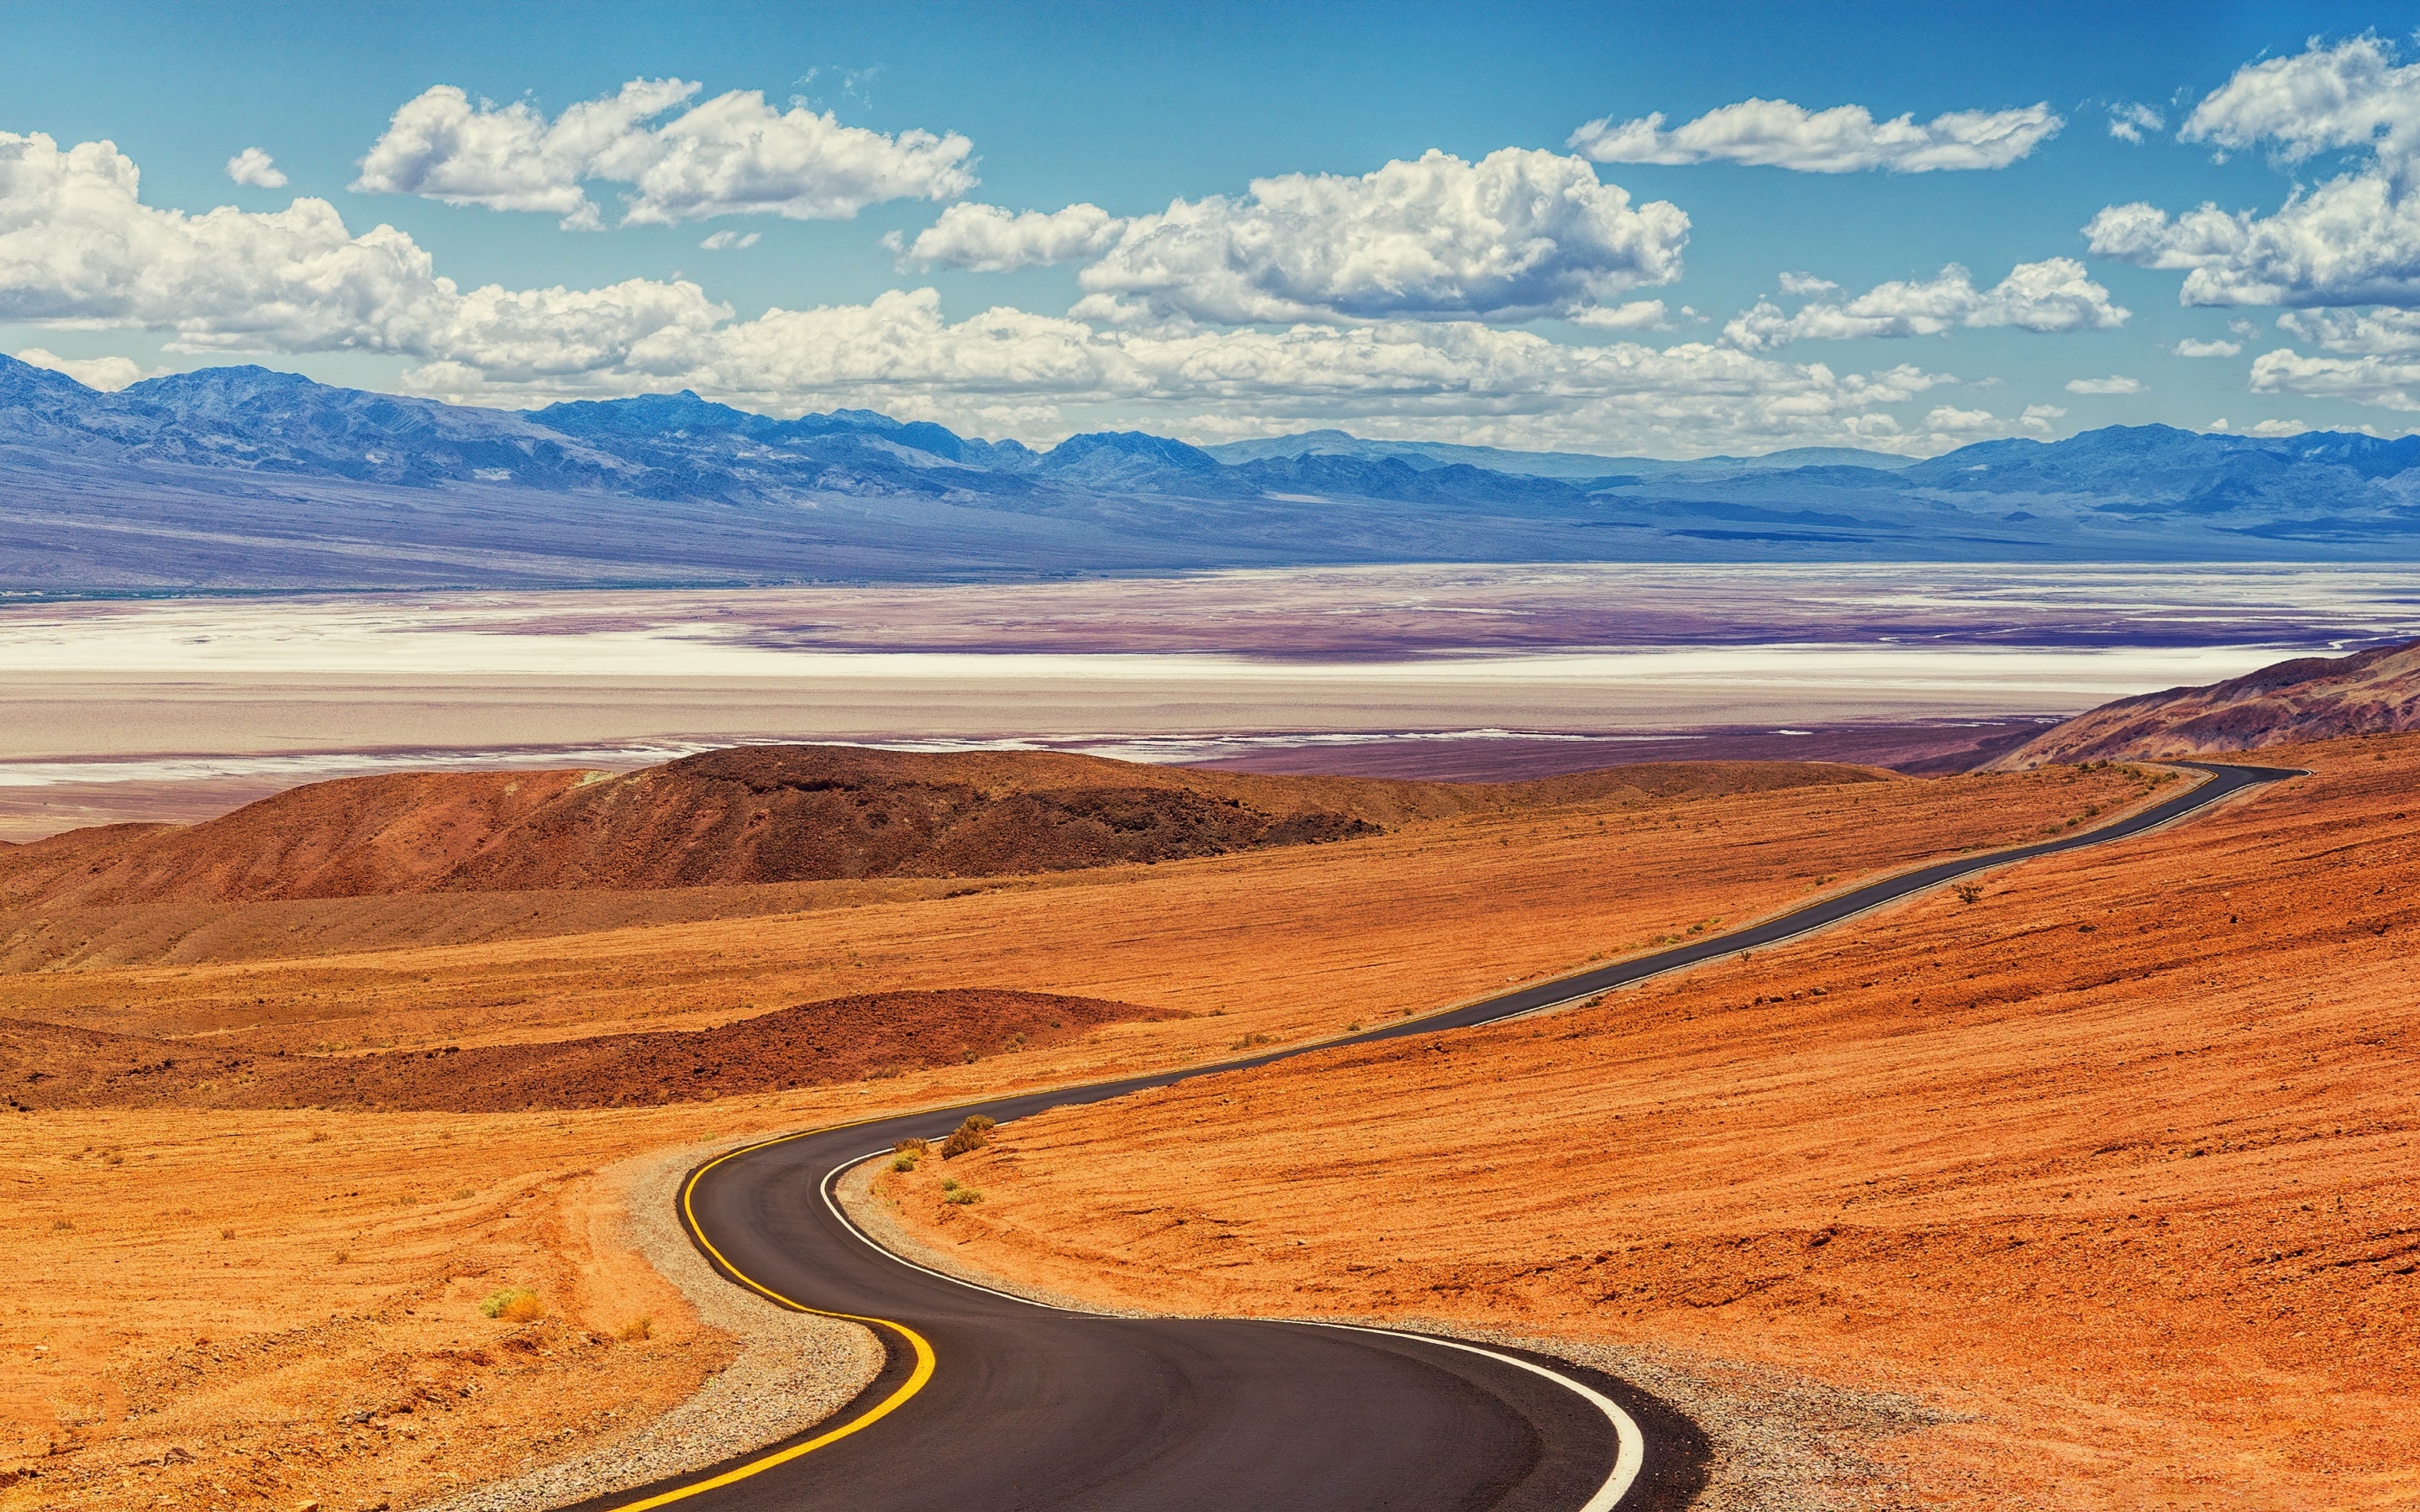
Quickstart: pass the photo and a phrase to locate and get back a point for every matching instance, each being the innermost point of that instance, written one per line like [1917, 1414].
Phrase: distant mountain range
[244, 478]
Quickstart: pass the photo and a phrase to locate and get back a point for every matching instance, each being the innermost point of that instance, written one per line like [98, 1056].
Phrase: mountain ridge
[247, 478]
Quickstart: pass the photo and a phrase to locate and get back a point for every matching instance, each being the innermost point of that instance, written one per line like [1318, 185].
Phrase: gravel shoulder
[1780, 1442]
[792, 1369]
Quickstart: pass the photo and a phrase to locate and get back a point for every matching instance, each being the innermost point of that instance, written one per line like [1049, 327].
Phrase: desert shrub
[910, 1146]
[514, 1304]
[903, 1162]
[318, 1137]
[969, 1057]
[113, 1157]
[227, 1233]
[1968, 892]
[61, 1225]
[640, 1327]
[973, 1133]
[342, 1257]
[949, 1183]
[1250, 1041]
[964, 1196]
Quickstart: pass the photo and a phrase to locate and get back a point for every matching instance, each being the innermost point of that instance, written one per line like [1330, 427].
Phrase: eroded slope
[2307, 699]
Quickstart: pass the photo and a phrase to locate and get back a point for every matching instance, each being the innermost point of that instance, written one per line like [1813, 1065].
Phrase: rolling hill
[2309, 698]
[774, 814]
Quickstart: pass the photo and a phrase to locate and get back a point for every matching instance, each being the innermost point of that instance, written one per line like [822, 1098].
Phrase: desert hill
[56, 1066]
[2309, 698]
[772, 814]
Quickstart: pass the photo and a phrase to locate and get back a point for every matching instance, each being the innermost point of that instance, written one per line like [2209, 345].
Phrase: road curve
[993, 1402]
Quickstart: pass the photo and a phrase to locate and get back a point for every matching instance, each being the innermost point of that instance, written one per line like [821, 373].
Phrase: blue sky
[1183, 300]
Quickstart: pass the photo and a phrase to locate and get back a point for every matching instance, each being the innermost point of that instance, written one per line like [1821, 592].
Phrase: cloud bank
[731, 155]
[1776, 133]
[78, 246]
[2353, 238]
[1517, 235]
[2052, 295]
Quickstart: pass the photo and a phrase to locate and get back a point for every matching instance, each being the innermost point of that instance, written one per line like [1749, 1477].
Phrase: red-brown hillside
[772, 813]
[842, 1038]
[2309, 698]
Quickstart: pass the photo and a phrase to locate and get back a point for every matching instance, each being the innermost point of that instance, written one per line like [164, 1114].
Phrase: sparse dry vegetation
[971, 1134]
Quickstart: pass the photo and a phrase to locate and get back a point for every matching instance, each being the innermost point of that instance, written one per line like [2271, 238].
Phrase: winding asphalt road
[990, 1403]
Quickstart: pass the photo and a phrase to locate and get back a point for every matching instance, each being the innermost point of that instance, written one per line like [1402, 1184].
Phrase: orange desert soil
[846, 1039]
[2112, 1168]
[144, 1232]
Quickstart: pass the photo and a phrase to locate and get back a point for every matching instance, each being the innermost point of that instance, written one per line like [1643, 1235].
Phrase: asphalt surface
[1014, 1406]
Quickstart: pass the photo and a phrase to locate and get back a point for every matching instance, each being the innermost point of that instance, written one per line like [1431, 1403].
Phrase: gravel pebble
[793, 1370]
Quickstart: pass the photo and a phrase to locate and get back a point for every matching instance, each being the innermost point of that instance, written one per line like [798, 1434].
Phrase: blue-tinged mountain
[1584, 465]
[244, 478]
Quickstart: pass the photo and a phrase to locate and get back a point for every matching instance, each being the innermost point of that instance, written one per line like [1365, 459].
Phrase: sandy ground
[2107, 1176]
[194, 1328]
[792, 1369]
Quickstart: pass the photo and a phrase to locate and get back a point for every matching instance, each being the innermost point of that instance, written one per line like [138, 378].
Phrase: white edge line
[1630, 1453]
[1629, 1458]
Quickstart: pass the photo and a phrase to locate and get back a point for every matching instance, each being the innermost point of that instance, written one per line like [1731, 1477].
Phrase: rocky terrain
[2306, 699]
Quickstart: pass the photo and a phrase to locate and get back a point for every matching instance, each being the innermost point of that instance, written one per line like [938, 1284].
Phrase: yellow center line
[914, 1383]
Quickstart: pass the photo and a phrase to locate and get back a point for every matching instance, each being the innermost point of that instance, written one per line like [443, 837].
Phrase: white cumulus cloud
[731, 155]
[1639, 314]
[1844, 139]
[2128, 122]
[79, 247]
[1516, 235]
[108, 374]
[255, 168]
[2382, 380]
[2114, 383]
[2052, 295]
[2353, 238]
[2360, 333]
[2190, 347]
[984, 239]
